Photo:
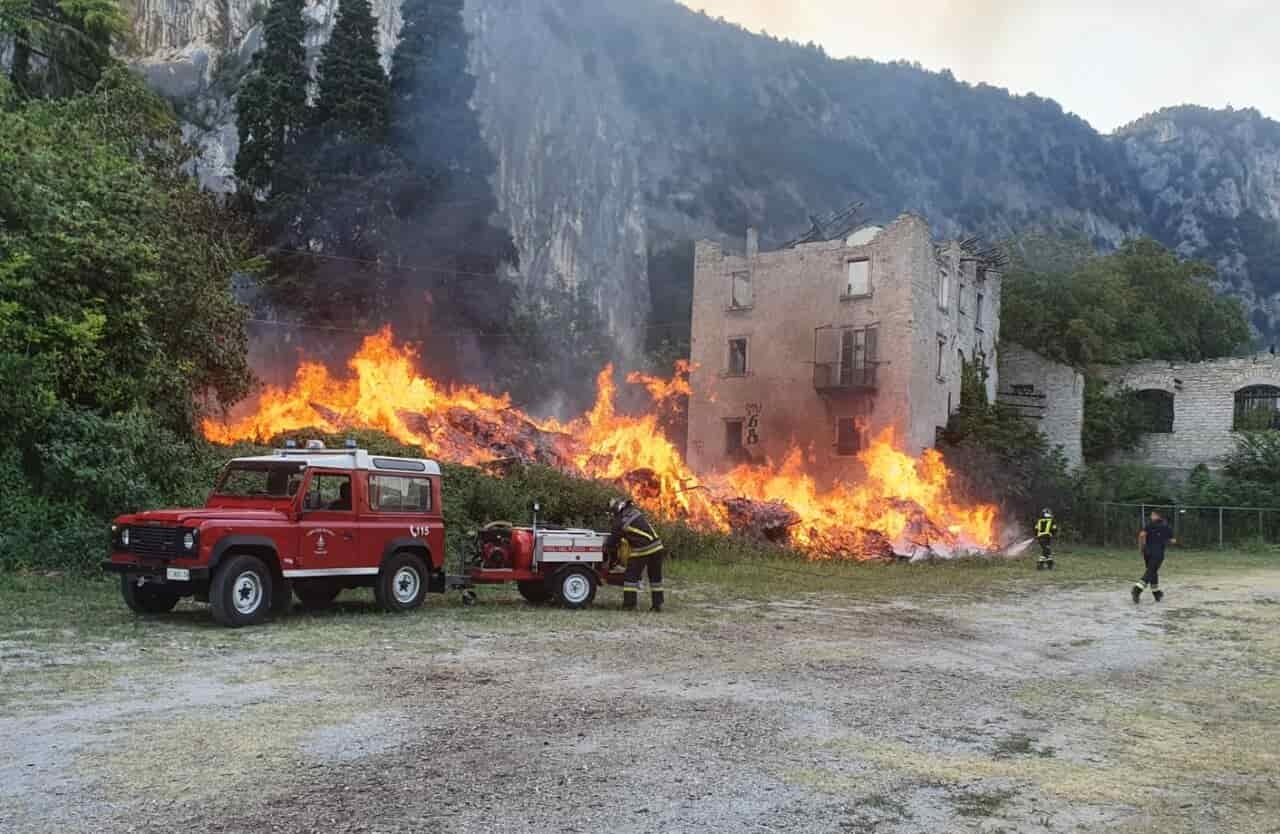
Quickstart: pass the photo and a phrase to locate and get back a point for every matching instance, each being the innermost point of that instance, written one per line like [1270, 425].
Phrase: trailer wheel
[575, 587]
[535, 591]
[146, 599]
[402, 583]
[241, 592]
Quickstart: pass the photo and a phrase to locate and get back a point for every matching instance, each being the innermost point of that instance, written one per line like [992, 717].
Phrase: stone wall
[1049, 394]
[795, 293]
[1203, 407]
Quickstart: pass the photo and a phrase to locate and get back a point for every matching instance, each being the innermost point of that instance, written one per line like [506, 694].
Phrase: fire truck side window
[329, 492]
[397, 494]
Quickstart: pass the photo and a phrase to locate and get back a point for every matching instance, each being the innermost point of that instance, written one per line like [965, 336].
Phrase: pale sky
[1107, 62]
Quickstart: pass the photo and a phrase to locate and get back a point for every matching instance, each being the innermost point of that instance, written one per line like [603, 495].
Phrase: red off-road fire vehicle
[313, 522]
[310, 522]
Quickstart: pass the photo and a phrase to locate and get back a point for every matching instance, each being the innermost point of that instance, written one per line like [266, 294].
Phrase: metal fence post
[1219, 528]
[1262, 536]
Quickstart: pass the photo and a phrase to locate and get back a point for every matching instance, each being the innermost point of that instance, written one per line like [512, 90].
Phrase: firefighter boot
[1137, 592]
[1157, 593]
[658, 598]
[629, 598]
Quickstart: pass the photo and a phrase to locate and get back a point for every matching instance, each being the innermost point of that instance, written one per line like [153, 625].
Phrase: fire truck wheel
[535, 591]
[575, 587]
[402, 583]
[146, 599]
[240, 593]
[316, 593]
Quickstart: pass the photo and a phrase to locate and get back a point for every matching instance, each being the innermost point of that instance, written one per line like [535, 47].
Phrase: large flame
[902, 503]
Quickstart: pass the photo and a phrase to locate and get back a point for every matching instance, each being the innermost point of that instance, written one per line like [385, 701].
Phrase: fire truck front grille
[153, 541]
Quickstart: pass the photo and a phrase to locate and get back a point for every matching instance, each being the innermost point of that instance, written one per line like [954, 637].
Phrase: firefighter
[638, 546]
[1151, 542]
[1046, 529]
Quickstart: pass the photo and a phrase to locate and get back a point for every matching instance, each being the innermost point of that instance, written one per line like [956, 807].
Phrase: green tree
[69, 40]
[352, 95]
[118, 328]
[272, 102]
[1142, 302]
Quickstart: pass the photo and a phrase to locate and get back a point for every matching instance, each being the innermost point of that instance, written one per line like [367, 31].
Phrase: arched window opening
[1157, 410]
[1257, 408]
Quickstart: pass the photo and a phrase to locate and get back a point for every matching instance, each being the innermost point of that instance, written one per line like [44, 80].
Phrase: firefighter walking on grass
[1151, 543]
[639, 548]
[1046, 529]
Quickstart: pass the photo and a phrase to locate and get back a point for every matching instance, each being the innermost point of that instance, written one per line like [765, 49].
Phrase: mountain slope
[622, 126]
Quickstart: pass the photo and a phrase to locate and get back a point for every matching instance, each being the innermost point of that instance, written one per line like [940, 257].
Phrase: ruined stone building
[1047, 394]
[1195, 409]
[822, 345]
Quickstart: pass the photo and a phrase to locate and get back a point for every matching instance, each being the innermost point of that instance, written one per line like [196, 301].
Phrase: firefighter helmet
[617, 505]
[1046, 513]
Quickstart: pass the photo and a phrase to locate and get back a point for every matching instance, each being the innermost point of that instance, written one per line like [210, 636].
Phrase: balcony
[834, 378]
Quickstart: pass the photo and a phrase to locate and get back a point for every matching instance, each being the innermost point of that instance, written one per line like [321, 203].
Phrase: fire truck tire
[575, 587]
[144, 599]
[241, 591]
[402, 583]
[316, 594]
[535, 591]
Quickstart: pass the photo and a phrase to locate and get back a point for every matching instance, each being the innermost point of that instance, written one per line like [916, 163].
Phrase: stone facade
[1049, 394]
[797, 350]
[1204, 405]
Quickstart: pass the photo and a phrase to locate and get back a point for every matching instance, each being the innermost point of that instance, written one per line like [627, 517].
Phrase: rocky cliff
[621, 126]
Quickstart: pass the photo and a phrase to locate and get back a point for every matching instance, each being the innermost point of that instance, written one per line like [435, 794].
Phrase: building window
[733, 437]
[1156, 408]
[942, 346]
[740, 295]
[857, 356]
[848, 436]
[960, 298]
[857, 279]
[737, 357]
[1257, 407]
[977, 312]
[944, 287]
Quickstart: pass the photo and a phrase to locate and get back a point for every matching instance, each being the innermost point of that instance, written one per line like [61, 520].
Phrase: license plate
[178, 574]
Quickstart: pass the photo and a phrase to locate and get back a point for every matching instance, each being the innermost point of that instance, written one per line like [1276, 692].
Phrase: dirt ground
[1062, 709]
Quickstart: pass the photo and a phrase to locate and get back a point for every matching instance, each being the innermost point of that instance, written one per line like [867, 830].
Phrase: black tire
[316, 594]
[535, 591]
[575, 587]
[402, 583]
[146, 599]
[241, 592]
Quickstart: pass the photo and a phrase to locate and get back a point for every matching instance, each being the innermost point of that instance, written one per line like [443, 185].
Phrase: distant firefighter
[1046, 529]
[1151, 543]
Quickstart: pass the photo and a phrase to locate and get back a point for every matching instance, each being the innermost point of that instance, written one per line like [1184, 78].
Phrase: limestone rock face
[622, 126]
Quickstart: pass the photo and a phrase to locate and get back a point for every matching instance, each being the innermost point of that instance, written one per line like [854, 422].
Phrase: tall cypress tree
[272, 104]
[353, 93]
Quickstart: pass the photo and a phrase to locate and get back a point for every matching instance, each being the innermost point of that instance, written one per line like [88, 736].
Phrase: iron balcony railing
[832, 377]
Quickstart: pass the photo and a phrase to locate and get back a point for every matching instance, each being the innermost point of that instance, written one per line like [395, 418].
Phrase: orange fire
[902, 503]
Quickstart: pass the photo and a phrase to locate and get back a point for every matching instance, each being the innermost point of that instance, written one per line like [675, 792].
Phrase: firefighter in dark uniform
[639, 548]
[1152, 541]
[1046, 529]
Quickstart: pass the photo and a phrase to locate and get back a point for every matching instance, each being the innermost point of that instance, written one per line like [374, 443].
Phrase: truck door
[402, 512]
[328, 542]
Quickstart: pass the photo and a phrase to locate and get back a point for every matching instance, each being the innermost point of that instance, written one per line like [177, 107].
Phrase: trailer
[565, 565]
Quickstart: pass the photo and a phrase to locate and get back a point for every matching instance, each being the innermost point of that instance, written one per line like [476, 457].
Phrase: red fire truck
[313, 522]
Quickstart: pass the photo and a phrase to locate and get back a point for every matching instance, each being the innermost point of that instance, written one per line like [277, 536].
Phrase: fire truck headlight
[189, 540]
[124, 537]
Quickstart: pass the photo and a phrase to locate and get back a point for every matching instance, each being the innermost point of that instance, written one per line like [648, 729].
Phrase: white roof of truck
[348, 459]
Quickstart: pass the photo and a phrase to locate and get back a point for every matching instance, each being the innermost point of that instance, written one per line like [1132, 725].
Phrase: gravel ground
[1067, 709]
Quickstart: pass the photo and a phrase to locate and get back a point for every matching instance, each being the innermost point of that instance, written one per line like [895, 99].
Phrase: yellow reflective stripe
[655, 587]
[639, 532]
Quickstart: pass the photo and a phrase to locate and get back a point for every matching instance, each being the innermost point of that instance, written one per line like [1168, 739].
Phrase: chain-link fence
[1117, 525]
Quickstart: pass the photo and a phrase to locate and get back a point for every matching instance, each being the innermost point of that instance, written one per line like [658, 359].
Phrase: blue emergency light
[351, 442]
[291, 444]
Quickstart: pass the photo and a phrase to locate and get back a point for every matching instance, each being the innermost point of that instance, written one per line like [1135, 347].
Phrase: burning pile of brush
[904, 509]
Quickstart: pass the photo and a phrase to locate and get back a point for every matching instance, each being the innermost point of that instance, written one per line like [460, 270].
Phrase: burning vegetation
[904, 506]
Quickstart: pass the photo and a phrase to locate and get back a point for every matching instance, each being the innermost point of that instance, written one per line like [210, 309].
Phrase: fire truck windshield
[260, 480]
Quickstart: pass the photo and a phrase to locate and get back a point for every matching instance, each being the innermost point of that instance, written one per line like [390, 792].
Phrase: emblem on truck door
[320, 547]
